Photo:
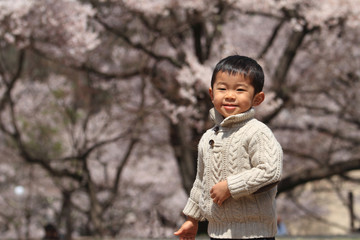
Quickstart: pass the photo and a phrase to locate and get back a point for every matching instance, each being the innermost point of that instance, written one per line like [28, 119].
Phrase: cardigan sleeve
[266, 158]
[192, 208]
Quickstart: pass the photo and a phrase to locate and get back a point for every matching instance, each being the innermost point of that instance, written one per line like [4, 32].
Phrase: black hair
[245, 66]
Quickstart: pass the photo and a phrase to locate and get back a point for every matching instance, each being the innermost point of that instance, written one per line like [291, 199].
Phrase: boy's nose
[230, 95]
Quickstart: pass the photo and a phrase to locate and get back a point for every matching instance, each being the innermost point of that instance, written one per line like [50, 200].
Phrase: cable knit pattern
[243, 151]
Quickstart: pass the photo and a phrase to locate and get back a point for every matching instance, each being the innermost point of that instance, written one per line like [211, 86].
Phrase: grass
[350, 237]
[320, 237]
[204, 237]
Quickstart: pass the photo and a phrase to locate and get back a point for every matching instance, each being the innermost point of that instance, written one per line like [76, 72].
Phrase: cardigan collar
[231, 120]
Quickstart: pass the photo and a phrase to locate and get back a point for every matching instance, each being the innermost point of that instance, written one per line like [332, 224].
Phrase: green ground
[349, 237]
[353, 237]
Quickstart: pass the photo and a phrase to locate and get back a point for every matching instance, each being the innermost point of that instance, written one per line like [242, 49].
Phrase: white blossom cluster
[310, 12]
[174, 111]
[59, 27]
[13, 27]
[160, 7]
[193, 77]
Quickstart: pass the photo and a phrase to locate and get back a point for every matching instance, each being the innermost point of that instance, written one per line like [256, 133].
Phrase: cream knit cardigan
[243, 151]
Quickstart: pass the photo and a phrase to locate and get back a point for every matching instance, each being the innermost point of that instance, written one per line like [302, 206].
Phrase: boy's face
[233, 94]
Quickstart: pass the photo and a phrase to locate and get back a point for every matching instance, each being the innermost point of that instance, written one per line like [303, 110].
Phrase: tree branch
[285, 62]
[139, 45]
[90, 70]
[313, 174]
[271, 39]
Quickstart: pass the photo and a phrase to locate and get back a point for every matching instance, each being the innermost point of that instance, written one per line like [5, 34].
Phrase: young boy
[239, 160]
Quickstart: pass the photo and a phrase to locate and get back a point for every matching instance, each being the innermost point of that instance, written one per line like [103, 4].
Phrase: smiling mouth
[229, 106]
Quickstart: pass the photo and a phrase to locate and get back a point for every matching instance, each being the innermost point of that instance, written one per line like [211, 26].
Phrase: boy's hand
[188, 230]
[220, 192]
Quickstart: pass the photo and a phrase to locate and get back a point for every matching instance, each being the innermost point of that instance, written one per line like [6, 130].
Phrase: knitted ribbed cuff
[237, 186]
[192, 210]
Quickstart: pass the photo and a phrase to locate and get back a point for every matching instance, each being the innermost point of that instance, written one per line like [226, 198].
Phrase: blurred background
[103, 102]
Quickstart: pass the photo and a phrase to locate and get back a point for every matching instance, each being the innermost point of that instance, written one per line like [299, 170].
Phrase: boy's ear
[259, 98]
[211, 94]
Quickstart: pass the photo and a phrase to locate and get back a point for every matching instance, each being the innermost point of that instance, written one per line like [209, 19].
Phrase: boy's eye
[222, 89]
[240, 90]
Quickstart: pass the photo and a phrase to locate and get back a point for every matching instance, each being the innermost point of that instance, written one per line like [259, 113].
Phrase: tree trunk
[351, 211]
[95, 208]
[185, 150]
[197, 29]
[66, 212]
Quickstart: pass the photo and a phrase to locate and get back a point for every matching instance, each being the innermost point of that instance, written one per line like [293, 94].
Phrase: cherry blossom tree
[114, 61]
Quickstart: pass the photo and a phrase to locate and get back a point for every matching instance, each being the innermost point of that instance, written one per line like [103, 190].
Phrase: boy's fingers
[178, 232]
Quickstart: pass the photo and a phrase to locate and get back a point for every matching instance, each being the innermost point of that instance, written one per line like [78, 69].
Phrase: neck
[233, 119]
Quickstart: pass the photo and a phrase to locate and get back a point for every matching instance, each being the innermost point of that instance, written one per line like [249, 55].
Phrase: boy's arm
[188, 230]
[266, 159]
[267, 187]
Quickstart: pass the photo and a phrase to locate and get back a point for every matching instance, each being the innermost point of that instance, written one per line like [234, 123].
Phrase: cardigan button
[211, 142]
[216, 129]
